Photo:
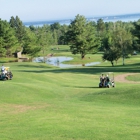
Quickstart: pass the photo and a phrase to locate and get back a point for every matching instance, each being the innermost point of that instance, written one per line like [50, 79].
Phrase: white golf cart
[107, 80]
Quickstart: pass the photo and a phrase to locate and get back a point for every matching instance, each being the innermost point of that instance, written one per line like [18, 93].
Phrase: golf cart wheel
[108, 86]
[5, 79]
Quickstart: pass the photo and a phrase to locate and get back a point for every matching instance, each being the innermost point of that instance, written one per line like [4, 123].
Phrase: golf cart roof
[107, 72]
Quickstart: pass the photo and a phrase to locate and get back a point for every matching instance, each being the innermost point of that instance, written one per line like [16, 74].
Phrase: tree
[55, 26]
[101, 31]
[123, 40]
[2, 49]
[30, 45]
[55, 37]
[62, 38]
[12, 22]
[100, 27]
[118, 43]
[81, 36]
[8, 41]
[44, 39]
[111, 52]
[19, 28]
[111, 55]
[136, 33]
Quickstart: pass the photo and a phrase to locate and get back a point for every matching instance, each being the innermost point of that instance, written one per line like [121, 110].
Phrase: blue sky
[34, 10]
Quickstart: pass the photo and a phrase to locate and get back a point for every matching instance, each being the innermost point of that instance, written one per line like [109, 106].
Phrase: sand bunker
[122, 78]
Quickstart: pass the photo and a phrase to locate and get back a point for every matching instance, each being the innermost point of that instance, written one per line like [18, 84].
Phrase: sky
[37, 10]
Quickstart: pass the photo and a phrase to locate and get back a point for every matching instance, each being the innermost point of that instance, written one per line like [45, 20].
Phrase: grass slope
[47, 103]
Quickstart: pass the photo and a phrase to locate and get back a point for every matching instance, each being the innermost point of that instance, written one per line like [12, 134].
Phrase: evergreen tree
[8, 41]
[81, 36]
[100, 27]
[12, 22]
[45, 39]
[30, 45]
[55, 37]
[136, 33]
[17, 24]
[62, 38]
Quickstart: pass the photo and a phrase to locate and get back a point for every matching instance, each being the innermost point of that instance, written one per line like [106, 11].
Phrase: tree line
[115, 39]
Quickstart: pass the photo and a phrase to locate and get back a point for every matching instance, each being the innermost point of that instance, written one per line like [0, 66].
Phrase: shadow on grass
[61, 51]
[81, 87]
[130, 68]
[40, 65]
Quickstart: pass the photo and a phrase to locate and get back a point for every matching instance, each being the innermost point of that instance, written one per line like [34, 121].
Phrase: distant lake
[124, 18]
[58, 62]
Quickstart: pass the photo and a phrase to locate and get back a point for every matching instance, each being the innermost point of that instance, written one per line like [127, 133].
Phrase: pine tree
[30, 45]
[81, 36]
[8, 41]
[19, 28]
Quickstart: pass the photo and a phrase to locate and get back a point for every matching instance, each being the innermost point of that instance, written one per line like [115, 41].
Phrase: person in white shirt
[2, 68]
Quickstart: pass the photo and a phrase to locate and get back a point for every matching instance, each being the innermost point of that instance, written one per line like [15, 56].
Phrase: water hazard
[58, 62]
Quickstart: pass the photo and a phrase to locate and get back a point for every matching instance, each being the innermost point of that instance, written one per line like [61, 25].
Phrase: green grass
[6, 60]
[133, 77]
[43, 102]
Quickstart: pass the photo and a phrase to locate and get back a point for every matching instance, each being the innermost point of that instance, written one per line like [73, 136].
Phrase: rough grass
[47, 103]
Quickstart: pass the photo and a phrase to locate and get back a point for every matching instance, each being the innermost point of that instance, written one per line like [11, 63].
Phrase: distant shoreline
[111, 18]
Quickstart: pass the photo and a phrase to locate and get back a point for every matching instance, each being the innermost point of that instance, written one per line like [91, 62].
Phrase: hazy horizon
[85, 17]
[37, 10]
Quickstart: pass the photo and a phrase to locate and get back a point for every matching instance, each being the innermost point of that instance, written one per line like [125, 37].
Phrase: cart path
[122, 78]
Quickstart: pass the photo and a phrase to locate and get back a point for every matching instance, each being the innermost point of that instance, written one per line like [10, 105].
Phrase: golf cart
[6, 75]
[107, 80]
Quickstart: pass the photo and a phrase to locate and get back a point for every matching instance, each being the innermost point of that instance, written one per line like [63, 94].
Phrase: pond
[58, 61]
